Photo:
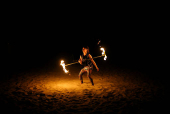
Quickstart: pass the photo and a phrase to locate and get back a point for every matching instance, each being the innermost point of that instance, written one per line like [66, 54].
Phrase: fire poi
[64, 66]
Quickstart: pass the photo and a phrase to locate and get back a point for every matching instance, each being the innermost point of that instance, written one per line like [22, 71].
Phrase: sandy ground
[52, 91]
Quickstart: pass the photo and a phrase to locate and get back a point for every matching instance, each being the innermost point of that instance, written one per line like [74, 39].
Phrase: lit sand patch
[61, 93]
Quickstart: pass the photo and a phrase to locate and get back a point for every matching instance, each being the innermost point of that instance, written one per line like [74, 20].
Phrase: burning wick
[63, 65]
[103, 53]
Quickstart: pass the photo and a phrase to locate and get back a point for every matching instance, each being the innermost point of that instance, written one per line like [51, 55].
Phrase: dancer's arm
[94, 63]
[80, 60]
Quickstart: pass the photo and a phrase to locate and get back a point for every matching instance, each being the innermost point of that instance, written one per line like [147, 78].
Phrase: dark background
[37, 36]
[131, 37]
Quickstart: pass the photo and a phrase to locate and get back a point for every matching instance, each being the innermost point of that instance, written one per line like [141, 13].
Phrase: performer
[88, 62]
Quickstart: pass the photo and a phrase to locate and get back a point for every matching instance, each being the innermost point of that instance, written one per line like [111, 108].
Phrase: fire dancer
[88, 62]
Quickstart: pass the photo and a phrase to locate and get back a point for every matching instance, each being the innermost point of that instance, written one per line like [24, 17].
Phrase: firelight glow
[103, 53]
[63, 65]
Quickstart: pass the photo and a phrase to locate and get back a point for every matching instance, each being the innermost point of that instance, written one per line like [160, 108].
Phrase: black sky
[130, 37]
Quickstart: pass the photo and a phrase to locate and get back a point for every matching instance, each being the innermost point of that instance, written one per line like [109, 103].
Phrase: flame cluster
[63, 65]
[103, 53]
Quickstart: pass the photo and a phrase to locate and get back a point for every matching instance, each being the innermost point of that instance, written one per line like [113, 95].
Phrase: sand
[115, 91]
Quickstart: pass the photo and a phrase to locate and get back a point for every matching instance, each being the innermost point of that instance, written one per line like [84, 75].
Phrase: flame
[103, 53]
[63, 65]
[105, 57]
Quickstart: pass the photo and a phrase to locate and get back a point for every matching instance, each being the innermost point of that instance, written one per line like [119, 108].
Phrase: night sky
[130, 37]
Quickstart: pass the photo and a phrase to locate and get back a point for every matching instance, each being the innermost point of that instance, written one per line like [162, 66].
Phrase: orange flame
[63, 65]
[103, 53]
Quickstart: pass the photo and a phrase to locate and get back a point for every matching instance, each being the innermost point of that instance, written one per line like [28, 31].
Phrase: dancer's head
[85, 50]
